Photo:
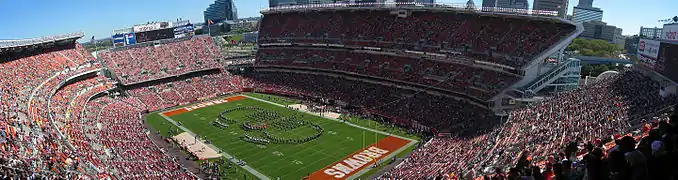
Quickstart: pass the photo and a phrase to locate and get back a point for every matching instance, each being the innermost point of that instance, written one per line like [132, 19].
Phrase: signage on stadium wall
[667, 63]
[183, 31]
[123, 31]
[118, 40]
[648, 50]
[151, 27]
[670, 32]
[180, 23]
[130, 39]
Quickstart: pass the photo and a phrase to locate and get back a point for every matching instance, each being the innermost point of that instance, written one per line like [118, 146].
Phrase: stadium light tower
[674, 19]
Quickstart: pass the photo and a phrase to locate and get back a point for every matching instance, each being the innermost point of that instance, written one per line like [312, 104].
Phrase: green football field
[287, 161]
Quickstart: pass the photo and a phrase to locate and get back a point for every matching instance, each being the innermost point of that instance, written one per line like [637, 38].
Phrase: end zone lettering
[205, 104]
[355, 162]
[201, 105]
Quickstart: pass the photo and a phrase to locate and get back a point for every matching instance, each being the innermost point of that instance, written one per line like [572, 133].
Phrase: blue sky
[33, 18]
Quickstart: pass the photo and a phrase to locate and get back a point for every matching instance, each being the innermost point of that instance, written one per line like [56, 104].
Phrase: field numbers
[261, 146]
[332, 132]
[278, 153]
[233, 133]
[297, 162]
[349, 138]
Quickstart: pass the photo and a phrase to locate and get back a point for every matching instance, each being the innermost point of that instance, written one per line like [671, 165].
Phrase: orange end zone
[360, 160]
[202, 105]
[175, 112]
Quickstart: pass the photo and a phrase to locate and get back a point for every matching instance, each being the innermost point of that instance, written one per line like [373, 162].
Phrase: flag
[210, 22]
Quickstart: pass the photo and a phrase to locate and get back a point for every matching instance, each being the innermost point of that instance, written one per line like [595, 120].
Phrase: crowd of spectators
[613, 107]
[27, 138]
[169, 93]
[123, 144]
[597, 125]
[428, 31]
[478, 82]
[404, 107]
[150, 62]
[66, 107]
[47, 134]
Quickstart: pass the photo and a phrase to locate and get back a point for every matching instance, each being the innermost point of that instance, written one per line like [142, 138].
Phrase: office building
[585, 3]
[419, 1]
[276, 3]
[489, 3]
[585, 14]
[315, 1]
[631, 45]
[221, 10]
[515, 4]
[601, 30]
[470, 4]
[620, 40]
[651, 33]
[520, 4]
[559, 6]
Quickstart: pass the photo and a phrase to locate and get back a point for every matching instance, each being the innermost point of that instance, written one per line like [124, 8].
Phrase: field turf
[287, 161]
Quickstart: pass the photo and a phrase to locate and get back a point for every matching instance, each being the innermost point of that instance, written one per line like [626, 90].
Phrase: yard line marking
[262, 176]
[349, 123]
[224, 153]
[363, 170]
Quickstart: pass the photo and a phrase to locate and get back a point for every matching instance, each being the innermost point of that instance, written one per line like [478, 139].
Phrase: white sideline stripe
[264, 177]
[364, 170]
[224, 153]
[349, 123]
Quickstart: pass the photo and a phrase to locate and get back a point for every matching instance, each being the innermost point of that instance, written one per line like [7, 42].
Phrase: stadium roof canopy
[602, 60]
[412, 5]
[24, 44]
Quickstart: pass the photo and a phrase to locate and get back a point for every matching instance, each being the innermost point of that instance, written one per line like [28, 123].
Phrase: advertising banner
[151, 27]
[648, 50]
[147, 27]
[180, 23]
[668, 61]
[183, 31]
[123, 31]
[165, 33]
[130, 39]
[670, 32]
[118, 40]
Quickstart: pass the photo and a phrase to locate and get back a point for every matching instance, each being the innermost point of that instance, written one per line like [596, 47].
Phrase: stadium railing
[414, 5]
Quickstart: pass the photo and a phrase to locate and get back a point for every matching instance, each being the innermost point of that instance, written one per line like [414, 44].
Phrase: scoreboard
[151, 32]
[668, 55]
[154, 35]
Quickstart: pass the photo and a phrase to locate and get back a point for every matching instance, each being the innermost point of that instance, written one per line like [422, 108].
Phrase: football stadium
[338, 91]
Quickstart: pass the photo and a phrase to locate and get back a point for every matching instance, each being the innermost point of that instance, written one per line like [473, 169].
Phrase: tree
[586, 70]
[598, 48]
[596, 69]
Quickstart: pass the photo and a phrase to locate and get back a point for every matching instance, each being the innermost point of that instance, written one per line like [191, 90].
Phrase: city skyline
[35, 18]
